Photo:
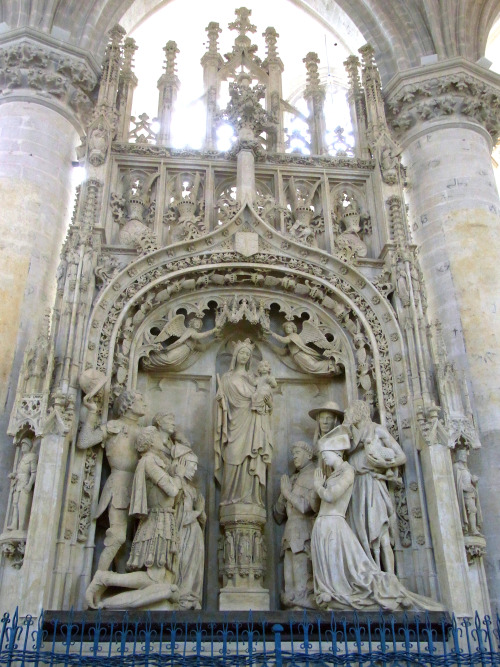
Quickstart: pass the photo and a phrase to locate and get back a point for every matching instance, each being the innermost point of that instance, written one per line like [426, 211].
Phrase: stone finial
[313, 87]
[352, 68]
[129, 48]
[271, 38]
[213, 31]
[370, 71]
[116, 34]
[171, 51]
[242, 23]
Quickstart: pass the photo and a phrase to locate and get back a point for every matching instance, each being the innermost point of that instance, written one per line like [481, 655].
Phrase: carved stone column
[444, 116]
[44, 103]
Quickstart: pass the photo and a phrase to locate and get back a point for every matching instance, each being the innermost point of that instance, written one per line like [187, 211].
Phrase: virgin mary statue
[243, 443]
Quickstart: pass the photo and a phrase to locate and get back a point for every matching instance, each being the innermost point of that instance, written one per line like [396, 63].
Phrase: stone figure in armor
[154, 555]
[345, 576]
[467, 494]
[117, 436]
[23, 481]
[297, 504]
[191, 519]
[374, 454]
[243, 443]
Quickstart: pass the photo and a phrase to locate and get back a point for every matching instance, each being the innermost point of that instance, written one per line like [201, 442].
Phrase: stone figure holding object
[243, 441]
[154, 554]
[262, 400]
[374, 456]
[117, 436]
[297, 503]
[345, 577]
[23, 481]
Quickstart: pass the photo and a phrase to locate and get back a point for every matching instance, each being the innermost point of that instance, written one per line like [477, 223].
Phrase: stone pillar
[315, 95]
[43, 107]
[444, 116]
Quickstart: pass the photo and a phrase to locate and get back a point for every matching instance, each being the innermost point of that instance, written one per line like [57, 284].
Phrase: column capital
[456, 92]
[38, 68]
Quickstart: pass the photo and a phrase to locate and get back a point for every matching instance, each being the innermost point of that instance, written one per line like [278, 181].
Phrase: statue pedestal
[244, 558]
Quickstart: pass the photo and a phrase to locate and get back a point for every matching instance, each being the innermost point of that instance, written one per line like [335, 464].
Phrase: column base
[244, 599]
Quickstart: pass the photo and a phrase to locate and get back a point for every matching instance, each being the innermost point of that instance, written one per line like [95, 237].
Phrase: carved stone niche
[22, 482]
[184, 217]
[304, 219]
[133, 210]
[351, 223]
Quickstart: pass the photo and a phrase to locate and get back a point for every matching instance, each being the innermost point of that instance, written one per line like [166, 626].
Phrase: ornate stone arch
[339, 289]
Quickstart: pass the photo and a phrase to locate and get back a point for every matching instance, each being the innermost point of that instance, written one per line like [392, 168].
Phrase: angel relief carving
[327, 359]
[184, 349]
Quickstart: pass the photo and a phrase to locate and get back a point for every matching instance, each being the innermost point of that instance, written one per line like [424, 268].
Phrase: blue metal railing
[302, 639]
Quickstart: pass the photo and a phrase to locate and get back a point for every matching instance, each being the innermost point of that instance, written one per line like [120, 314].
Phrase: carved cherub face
[289, 328]
[264, 368]
[326, 420]
[196, 323]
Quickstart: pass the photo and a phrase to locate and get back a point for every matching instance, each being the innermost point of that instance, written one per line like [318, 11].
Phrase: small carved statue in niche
[188, 342]
[305, 357]
[243, 443]
[327, 418]
[191, 522]
[372, 515]
[23, 481]
[186, 211]
[118, 438]
[304, 222]
[98, 145]
[297, 503]
[156, 541]
[389, 165]
[349, 224]
[467, 494]
[345, 576]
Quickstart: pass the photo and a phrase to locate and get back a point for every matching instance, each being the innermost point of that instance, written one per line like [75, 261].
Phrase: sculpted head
[357, 412]
[165, 421]
[289, 328]
[148, 438]
[264, 368]
[185, 461]
[302, 453]
[196, 323]
[26, 445]
[129, 401]
[242, 353]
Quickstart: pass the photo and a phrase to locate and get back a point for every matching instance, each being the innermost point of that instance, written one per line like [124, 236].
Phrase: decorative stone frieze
[454, 90]
[31, 69]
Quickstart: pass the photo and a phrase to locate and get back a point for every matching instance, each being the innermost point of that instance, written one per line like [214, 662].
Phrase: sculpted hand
[319, 479]
[286, 486]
